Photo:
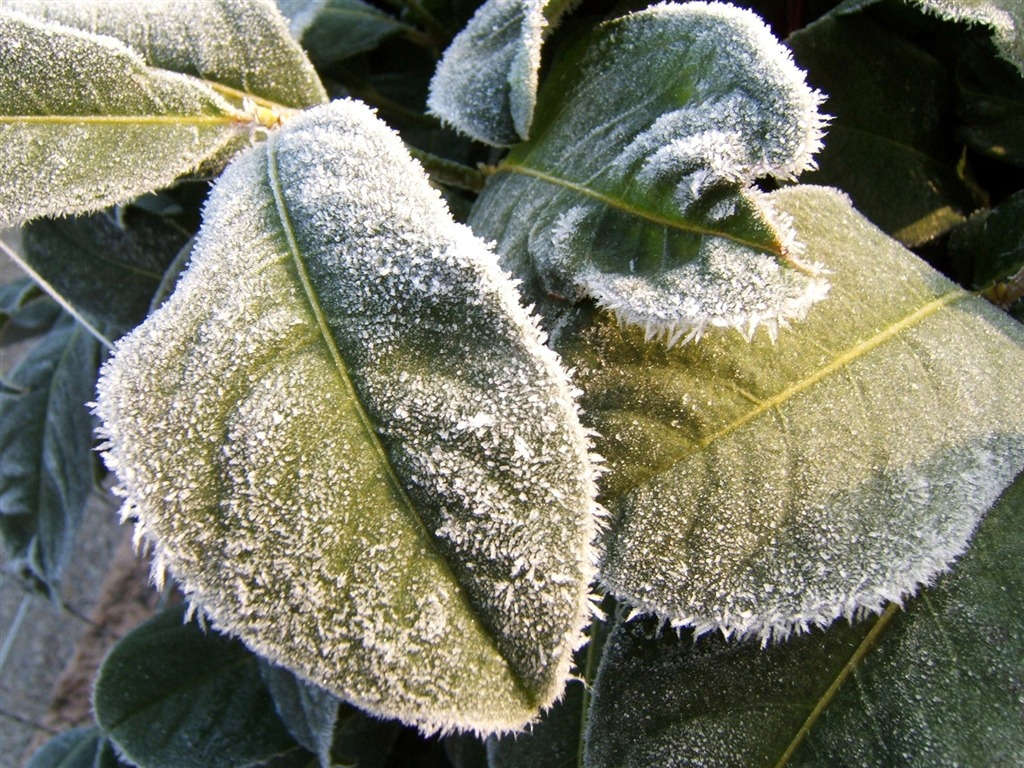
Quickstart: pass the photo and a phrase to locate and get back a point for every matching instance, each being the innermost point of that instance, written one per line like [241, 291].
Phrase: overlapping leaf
[938, 681]
[1004, 17]
[757, 488]
[486, 84]
[333, 30]
[642, 200]
[373, 470]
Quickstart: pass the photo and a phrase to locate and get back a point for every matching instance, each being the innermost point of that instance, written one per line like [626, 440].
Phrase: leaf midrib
[364, 418]
[624, 206]
[836, 364]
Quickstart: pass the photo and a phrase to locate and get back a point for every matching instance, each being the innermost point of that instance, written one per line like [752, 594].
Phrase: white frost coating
[300, 14]
[854, 468]
[374, 473]
[486, 83]
[645, 202]
[60, 167]
[243, 44]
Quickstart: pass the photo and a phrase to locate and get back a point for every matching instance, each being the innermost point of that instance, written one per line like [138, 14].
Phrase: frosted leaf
[300, 14]
[374, 474]
[244, 45]
[486, 83]
[85, 124]
[643, 200]
[760, 489]
[1004, 17]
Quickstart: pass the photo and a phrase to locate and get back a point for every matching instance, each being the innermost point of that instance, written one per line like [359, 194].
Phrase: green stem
[449, 173]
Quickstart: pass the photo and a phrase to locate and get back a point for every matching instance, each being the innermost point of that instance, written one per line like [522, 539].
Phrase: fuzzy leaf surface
[46, 450]
[759, 488]
[171, 694]
[486, 83]
[644, 203]
[85, 124]
[891, 143]
[938, 680]
[378, 478]
[236, 45]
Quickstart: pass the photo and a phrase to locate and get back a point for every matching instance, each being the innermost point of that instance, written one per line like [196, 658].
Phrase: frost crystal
[486, 83]
[645, 202]
[345, 436]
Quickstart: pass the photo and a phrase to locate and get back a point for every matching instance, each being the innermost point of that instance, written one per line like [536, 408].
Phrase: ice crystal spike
[343, 435]
[486, 83]
[645, 202]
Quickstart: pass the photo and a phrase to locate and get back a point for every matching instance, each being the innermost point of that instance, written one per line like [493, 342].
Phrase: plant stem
[448, 172]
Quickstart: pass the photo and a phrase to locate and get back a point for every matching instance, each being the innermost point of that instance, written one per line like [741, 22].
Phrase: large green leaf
[107, 267]
[756, 488]
[1004, 17]
[486, 84]
[345, 437]
[170, 694]
[891, 143]
[642, 199]
[46, 450]
[241, 47]
[84, 123]
[936, 684]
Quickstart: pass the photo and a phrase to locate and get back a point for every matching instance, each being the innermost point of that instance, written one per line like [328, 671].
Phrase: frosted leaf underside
[242, 44]
[641, 198]
[85, 124]
[486, 83]
[375, 473]
[758, 488]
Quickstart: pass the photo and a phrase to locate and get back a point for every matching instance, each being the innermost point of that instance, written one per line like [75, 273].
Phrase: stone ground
[49, 650]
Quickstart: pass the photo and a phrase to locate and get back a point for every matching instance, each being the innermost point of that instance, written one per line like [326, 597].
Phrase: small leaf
[169, 694]
[374, 474]
[486, 83]
[310, 713]
[85, 124]
[107, 269]
[990, 247]
[891, 144]
[24, 306]
[645, 204]
[85, 747]
[1004, 17]
[757, 488]
[46, 450]
[234, 45]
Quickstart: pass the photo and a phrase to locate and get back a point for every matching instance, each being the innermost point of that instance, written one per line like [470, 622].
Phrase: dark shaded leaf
[85, 747]
[990, 105]
[344, 28]
[990, 246]
[47, 463]
[309, 712]
[170, 695]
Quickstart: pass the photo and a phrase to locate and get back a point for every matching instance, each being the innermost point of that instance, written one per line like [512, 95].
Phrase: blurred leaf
[233, 45]
[464, 750]
[646, 205]
[24, 306]
[85, 124]
[990, 246]
[890, 144]
[46, 450]
[760, 488]
[937, 684]
[85, 747]
[345, 438]
[991, 105]
[364, 741]
[309, 712]
[108, 270]
[486, 83]
[1005, 19]
[344, 28]
[170, 694]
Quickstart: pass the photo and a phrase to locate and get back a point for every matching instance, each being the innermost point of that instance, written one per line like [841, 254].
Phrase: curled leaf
[344, 435]
[757, 489]
[1004, 17]
[644, 203]
[486, 84]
